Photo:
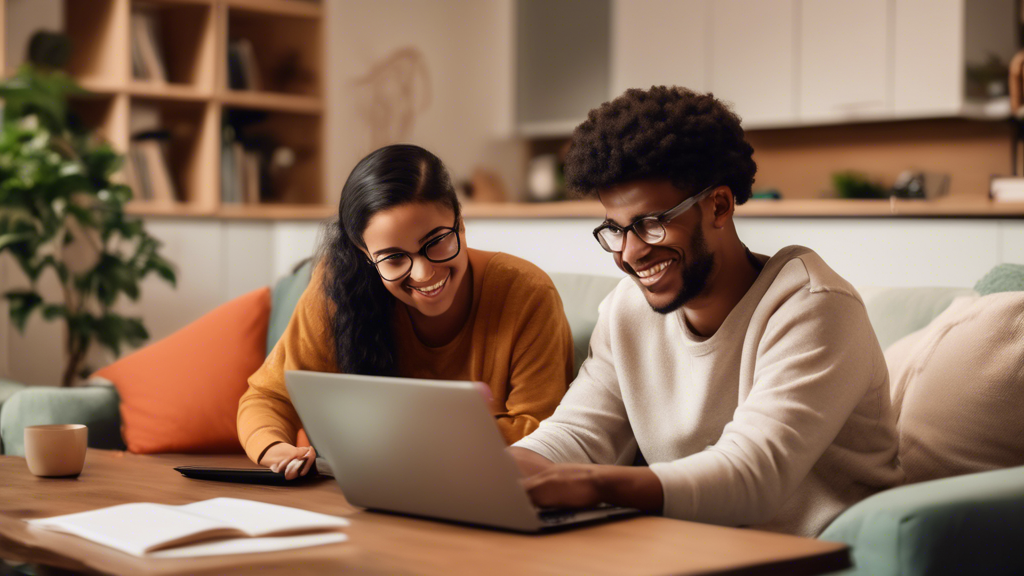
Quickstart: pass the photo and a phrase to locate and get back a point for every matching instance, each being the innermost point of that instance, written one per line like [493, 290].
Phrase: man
[754, 386]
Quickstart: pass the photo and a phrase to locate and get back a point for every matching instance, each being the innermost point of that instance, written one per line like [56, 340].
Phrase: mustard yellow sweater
[516, 340]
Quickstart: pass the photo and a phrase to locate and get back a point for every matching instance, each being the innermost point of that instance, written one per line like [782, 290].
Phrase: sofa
[969, 523]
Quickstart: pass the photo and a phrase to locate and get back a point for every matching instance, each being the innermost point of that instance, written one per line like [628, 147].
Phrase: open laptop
[421, 447]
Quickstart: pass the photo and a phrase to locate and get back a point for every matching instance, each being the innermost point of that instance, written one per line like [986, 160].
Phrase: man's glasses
[439, 249]
[650, 229]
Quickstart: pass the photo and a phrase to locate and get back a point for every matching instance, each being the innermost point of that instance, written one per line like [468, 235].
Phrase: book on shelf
[146, 56]
[206, 528]
[150, 170]
[243, 73]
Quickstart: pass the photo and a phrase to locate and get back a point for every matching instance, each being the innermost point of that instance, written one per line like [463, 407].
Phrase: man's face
[677, 269]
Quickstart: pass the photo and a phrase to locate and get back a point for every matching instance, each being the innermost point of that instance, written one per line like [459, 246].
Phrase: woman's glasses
[650, 229]
[439, 249]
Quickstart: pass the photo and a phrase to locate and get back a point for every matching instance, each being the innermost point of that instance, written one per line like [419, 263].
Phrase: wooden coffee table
[379, 543]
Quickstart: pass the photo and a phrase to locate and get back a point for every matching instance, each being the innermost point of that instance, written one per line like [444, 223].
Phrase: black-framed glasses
[650, 229]
[439, 249]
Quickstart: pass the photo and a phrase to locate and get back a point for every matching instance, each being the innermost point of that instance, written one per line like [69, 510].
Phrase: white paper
[131, 528]
[259, 518]
[250, 545]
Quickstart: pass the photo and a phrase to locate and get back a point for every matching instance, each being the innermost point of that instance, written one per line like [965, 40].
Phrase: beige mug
[56, 449]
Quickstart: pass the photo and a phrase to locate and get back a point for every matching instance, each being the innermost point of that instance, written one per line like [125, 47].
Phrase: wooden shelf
[301, 8]
[167, 91]
[271, 101]
[284, 121]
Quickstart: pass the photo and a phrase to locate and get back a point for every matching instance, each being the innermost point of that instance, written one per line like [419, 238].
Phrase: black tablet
[243, 475]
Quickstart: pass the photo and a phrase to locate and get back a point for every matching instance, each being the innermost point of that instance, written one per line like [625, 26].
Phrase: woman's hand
[293, 461]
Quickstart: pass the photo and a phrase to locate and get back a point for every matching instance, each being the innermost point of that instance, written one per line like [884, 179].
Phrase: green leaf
[14, 238]
[22, 303]
[51, 311]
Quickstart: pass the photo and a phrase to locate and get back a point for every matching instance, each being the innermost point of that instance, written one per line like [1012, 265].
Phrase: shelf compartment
[190, 149]
[297, 137]
[103, 114]
[98, 30]
[285, 52]
[186, 36]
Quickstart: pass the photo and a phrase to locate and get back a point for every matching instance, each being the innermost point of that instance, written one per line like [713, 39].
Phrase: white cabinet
[754, 57]
[928, 57]
[844, 59]
[659, 42]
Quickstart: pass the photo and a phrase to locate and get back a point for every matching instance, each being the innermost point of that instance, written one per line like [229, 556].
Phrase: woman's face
[430, 287]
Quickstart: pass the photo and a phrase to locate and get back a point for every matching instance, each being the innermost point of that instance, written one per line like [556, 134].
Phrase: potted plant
[60, 211]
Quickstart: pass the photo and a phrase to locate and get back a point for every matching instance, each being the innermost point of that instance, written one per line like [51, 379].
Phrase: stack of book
[243, 73]
[147, 170]
[147, 56]
[240, 171]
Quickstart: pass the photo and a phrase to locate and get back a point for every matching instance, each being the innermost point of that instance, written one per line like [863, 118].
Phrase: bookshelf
[191, 99]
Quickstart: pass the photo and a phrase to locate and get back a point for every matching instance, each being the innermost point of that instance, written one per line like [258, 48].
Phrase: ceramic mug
[56, 449]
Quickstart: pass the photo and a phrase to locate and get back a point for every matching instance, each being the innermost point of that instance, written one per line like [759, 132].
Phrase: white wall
[468, 49]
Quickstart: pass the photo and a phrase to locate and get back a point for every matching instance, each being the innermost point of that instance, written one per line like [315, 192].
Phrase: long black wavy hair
[361, 312]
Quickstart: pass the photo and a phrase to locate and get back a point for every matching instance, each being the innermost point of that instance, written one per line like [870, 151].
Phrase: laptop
[421, 447]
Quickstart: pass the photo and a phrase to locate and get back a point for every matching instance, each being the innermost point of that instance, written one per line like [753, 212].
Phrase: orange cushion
[181, 394]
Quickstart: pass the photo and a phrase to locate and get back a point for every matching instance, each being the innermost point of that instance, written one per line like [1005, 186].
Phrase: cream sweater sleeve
[815, 361]
[590, 424]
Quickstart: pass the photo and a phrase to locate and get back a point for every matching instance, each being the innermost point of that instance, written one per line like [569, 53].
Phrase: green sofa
[966, 524]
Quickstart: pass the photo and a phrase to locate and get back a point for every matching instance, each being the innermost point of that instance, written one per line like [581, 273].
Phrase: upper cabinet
[844, 59]
[562, 66]
[753, 58]
[778, 62]
[657, 42]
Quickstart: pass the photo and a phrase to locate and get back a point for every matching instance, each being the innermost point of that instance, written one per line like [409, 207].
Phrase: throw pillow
[181, 394]
[958, 385]
[1002, 278]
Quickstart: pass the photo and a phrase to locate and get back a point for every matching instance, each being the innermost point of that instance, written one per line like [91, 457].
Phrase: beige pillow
[958, 385]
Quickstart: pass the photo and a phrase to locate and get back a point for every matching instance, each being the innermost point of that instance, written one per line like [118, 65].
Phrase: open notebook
[206, 528]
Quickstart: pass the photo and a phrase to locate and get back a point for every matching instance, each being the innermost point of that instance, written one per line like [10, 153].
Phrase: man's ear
[725, 205]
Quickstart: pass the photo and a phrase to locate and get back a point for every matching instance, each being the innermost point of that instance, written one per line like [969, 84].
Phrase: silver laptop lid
[422, 447]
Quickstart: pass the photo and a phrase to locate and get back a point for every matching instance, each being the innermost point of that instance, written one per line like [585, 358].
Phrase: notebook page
[250, 545]
[260, 519]
[133, 528]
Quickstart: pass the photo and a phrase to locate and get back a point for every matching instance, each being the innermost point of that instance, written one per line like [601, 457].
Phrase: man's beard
[695, 273]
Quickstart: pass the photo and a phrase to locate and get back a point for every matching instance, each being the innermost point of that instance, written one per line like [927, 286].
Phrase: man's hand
[565, 486]
[293, 461]
[586, 485]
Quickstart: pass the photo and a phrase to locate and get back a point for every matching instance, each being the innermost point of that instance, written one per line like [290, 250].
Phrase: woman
[397, 292]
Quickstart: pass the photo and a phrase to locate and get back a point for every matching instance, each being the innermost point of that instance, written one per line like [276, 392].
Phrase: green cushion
[1002, 278]
[94, 406]
[896, 312]
[284, 297]
[581, 294]
[8, 388]
[971, 524]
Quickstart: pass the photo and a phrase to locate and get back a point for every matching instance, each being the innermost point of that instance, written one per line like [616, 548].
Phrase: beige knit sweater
[780, 420]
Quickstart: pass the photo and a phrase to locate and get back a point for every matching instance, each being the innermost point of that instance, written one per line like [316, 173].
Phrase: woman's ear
[462, 226]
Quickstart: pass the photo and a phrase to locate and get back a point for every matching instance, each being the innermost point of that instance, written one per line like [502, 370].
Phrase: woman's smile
[432, 290]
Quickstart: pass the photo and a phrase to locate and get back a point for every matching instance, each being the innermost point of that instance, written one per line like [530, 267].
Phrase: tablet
[243, 475]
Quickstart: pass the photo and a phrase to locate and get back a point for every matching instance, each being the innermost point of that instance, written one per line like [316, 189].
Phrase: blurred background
[884, 130]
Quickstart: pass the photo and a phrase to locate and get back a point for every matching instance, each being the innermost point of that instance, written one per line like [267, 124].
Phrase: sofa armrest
[971, 524]
[95, 406]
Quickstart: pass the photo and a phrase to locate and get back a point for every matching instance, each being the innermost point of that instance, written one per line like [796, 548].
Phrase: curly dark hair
[666, 133]
[361, 307]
